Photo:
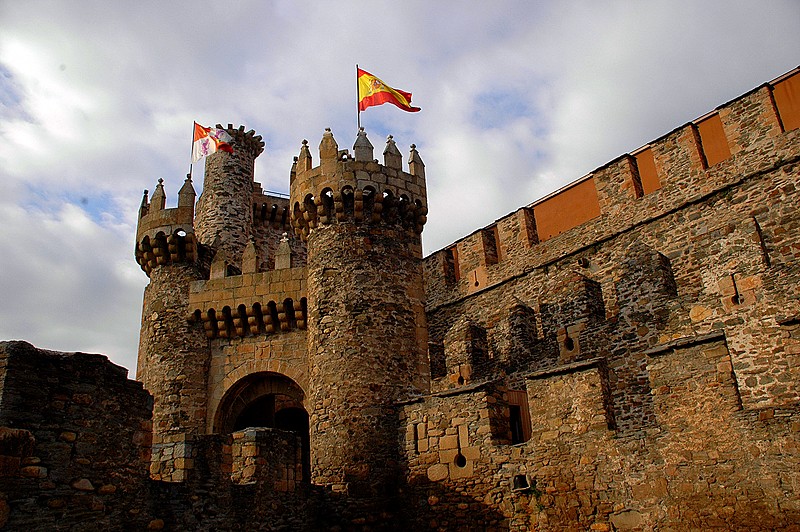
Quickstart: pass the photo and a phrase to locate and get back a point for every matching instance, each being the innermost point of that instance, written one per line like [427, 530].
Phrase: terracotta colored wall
[787, 99]
[567, 209]
[646, 164]
[712, 136]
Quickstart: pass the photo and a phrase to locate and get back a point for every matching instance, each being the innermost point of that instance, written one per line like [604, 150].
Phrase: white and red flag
[207, 140]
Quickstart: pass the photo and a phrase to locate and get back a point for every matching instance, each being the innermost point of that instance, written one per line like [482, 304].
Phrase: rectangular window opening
[491, 245]
[515, 415]
[452, 272]
[530, 234]
[519, 416]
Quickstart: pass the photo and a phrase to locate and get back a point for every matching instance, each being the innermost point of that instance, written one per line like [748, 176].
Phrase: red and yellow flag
[207, 140]
[373, 91]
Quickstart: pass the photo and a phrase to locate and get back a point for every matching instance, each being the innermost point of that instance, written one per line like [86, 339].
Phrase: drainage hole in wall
[460, 461]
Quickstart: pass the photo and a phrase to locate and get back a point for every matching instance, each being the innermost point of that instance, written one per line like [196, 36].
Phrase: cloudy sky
[97, 101]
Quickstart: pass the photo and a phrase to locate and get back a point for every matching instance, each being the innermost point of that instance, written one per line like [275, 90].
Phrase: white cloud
[67, 281]
[518, 98]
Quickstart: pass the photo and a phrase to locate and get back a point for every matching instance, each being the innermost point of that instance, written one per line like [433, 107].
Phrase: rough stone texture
[173, 359]
[267, 455]
[366, 327]
[271, 221]
[225, 208]
[628, 363]
[71, 423]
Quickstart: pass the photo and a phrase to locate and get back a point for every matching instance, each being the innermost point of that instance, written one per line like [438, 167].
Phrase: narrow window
[515, 415]
[529, 233]
[519, 417]
[451, 270]
[491, 249]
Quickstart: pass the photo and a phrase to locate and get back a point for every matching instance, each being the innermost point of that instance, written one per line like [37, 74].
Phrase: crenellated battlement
[166, 235]
[684, 166]
[268, 210]
[246, 141]
[224, 218]
[356, 188]
[618, 341]
[250, 304]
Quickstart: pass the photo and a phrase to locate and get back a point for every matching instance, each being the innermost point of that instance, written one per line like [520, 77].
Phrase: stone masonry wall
[366, 329]
[75, 454]
[224, 208]
[660, 332]
[271, 221]
[362, 357]
[173, 359]
[704, 465]
[74, 442]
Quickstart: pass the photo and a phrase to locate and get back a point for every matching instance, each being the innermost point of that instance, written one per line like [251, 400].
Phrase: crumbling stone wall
[75, 454]
[74, 442]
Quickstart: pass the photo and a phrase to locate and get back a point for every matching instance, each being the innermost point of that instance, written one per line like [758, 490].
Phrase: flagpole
[191, 152]
[358, 107]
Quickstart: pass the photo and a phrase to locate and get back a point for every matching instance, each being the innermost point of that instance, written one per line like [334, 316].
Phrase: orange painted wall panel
[712, 136]
[646, 163]
[567, 209]
[787, 100]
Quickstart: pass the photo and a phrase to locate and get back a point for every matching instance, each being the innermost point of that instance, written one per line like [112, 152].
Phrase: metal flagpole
[191, 153]
[358, 107]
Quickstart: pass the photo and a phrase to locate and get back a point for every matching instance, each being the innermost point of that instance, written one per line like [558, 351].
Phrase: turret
[166, 236]
[173, 354]
[367, 339]
[224, 209]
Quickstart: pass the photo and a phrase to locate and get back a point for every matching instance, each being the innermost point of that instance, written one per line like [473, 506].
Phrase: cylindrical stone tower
[173, 354]
[225, 207]
[367, 337]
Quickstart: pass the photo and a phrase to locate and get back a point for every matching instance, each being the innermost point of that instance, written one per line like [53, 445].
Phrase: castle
[623, 354]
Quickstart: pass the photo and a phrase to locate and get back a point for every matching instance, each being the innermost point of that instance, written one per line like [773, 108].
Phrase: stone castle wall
[256, 323]
[620, 355]
[74, 441]
[654, 345]
[366, 321]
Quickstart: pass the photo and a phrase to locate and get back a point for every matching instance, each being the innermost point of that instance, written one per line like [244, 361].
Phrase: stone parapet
[612, 200]
[270, 456]
[74, 441]
[164, 235]
[343, 188]
[251, 303]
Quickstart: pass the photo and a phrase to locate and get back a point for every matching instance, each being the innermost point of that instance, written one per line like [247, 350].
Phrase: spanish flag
[373, 91]
[207, 140]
